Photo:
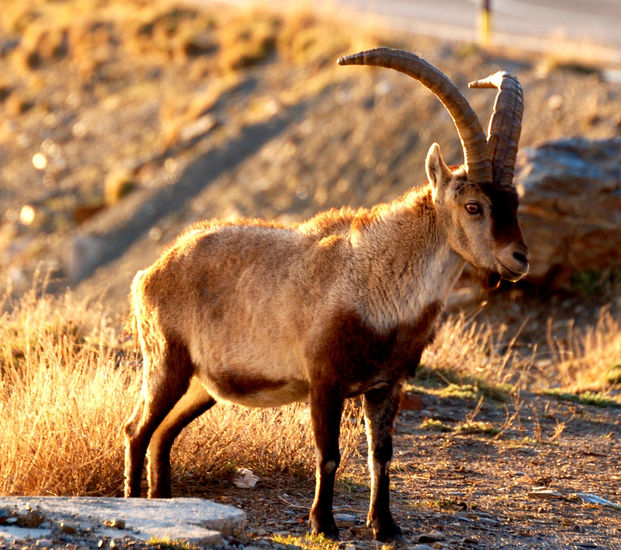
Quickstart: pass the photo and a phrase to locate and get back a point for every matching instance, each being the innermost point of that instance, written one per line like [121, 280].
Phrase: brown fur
[264, 314]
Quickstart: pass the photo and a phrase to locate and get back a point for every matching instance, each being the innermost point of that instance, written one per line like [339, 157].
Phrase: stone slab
[195, 520]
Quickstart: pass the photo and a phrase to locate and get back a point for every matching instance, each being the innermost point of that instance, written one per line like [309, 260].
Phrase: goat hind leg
[133, 464]
[164, 382]
[194, 402]
[380, 409]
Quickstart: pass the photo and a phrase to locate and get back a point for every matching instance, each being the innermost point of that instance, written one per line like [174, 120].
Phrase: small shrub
[476, 427]
[456, 391]
[613, 375]
[434, 425]
[586, 398]
[246, 41]
[118, 185]
[586, 282]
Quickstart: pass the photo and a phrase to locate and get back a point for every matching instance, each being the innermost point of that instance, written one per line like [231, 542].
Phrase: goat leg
[192, 405]
[380, 409]
[326, 405]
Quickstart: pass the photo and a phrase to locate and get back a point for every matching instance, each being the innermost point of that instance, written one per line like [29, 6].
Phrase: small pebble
[68, 528]
[345, 520]
[115, 523]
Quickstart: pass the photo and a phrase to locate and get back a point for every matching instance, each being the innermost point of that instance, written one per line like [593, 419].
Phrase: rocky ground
[546, 478]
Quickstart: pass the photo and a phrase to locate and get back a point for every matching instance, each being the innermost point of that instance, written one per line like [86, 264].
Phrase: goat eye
[472, 208]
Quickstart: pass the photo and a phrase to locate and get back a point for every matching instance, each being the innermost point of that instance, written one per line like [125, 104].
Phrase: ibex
[342, 305]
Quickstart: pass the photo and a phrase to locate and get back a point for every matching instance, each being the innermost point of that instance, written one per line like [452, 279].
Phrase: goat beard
[489, 280]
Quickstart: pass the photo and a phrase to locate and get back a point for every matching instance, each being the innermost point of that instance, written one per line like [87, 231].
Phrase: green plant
[456, 391]
[166, 543]
[586, 282]
[434, 425]
[307, 542]
[476, 427]
[613, 375]
[585, 398]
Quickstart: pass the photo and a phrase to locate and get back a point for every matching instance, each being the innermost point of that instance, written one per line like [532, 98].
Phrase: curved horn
[505, 124]
[473, 141]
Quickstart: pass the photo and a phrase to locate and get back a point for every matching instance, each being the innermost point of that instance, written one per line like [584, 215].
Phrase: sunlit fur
[264, 314]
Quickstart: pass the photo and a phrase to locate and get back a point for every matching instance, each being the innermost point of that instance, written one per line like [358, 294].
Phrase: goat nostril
[520, 257]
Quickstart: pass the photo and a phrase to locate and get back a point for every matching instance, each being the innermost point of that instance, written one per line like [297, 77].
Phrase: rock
[570, 208]
[198, 128]
[545, 494]
[245, 478]
[31, 518]
[594, 499]
[434, 536]
[345, 520]
[196, 521]
[68, 528]
[410, 401]
[83, 255]
[115, 523]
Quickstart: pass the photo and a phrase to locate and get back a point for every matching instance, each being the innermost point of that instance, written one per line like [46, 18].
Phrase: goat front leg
[326, 405]
[380, 409]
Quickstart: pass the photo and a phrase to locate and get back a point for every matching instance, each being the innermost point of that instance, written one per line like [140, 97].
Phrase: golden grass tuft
[118, 184]
[590, 359]
[68, 380]
[63, 390]
[469, 353]
[268, 441]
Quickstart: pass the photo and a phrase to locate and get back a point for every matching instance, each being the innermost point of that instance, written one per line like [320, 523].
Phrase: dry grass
[268, 441]
[68, 379]
[590, 359]
[64, 386]
[473, 359]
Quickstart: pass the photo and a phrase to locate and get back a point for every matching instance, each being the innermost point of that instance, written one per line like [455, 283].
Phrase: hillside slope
[121, 127]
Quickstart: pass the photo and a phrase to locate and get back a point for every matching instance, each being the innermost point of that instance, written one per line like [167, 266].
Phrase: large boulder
[570, 209]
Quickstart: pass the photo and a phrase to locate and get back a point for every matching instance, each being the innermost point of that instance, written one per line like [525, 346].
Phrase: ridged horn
[473, 140]
[505, 124]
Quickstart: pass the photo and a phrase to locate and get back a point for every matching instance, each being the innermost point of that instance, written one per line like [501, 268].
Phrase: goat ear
[437, 170]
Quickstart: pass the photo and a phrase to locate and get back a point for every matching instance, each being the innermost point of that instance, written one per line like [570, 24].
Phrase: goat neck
[404, 260]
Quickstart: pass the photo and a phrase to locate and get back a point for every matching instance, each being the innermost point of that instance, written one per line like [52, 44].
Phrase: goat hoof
[330, 532]
[391, 533]
[399, 542]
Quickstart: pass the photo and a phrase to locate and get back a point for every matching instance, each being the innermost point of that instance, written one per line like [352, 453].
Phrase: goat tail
[131, 323]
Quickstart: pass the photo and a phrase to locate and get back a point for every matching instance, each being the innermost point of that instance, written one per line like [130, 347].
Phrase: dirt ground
[527, 487]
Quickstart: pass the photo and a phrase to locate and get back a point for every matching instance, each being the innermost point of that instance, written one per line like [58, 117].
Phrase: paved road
[589, 28]
[536, 24]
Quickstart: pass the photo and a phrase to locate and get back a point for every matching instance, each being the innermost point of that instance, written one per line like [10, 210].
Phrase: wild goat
[342, 305]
